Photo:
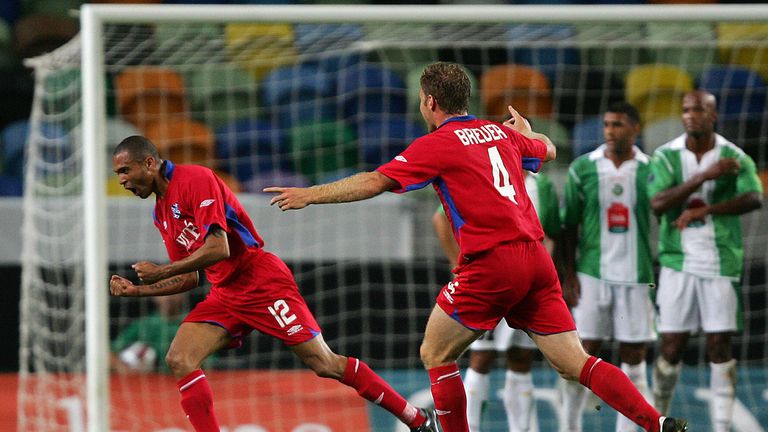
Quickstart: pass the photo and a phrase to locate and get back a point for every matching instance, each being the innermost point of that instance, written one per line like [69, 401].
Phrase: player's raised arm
[357, 187]
[122, 287]
[521, 125]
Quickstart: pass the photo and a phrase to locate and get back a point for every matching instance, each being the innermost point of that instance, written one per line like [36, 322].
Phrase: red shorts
[515, 281]
[265, 297]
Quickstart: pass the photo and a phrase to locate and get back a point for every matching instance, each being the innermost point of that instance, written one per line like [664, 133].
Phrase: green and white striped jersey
[543, 195]
[611, 207]
[713, 246]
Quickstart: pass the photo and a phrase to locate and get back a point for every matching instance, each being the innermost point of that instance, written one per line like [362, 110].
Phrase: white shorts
[608, 310]
[502, 338]
[689, 303]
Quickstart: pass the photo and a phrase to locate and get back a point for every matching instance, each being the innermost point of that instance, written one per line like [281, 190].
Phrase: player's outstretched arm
[122, 287]
[521, 125]
[358, 187]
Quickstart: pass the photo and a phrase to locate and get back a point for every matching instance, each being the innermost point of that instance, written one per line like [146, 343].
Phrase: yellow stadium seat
[657, 90]
[744, 44]
[259, 48]
[114, 188]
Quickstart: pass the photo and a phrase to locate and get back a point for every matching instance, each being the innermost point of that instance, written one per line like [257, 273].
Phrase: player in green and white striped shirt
[517, 393]
[700, 184]
[607, 214]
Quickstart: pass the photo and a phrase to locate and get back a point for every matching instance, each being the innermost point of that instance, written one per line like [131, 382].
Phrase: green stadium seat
[221, 94]
[8, 59]
[62, 96]
[188, 45]
[556, 132]
[319, 149]
[612, 47]
[396, 45]
[690, 45]
[60, 8]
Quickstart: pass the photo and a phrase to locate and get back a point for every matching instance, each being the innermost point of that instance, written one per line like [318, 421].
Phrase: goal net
[300, 95]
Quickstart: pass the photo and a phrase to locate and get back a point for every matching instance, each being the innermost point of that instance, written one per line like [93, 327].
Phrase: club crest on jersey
[617, 189]
[176, 211]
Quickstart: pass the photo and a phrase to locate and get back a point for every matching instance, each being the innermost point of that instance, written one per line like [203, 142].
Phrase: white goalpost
[271, 95]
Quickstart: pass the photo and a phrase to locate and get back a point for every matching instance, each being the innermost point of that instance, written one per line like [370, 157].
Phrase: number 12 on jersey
[501, 175]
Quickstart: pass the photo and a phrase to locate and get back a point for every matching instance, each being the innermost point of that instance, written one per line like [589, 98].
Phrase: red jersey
[196, 200]
[475, 167]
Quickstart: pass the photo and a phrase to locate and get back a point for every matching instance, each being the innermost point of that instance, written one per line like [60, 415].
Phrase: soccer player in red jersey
[204, 226]
[504, 270]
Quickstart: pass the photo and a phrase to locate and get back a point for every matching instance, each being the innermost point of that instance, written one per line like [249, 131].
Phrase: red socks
[197, 402]
[450, 397]
[614, 387]
[372, 387]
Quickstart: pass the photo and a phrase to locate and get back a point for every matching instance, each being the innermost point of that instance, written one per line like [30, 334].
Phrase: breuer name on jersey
[483, 134]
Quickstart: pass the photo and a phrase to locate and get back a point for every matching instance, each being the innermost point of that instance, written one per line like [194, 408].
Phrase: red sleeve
[532, 151]
[417, 166]
[207, 203]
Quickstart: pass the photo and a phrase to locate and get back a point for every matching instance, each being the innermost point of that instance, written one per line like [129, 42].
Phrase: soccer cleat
[669, 424]
[431, 424]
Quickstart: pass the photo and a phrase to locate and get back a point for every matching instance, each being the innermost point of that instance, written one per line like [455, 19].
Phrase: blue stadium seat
[552, 60]
[740, 91]
[11, 186]
[297, 94]
[587, 135]
[381, 139]
[249, 147]
[367, 88]
[55, 145]
[328, 45]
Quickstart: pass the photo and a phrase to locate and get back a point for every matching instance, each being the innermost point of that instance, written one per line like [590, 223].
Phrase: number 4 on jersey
[501, 175]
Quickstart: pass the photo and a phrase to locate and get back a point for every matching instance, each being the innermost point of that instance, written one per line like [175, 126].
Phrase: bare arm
[676, 196]
[122, 287]
[215, 249]
[520, 124]
[358, 187]
[446, 238]
[739, 205]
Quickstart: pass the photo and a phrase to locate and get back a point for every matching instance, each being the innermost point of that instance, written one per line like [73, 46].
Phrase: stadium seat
[657, 90]
[148, 94]
[612, 47]
[740, 92]
[749, 134]
[16, 85]
[37, 34]
[259, 48]
[381, 139]
[584, 93]
[55, 145]
[250, 147]
[413, 82]
[114, 188]
[744, 44]
[183, 141]
[117, 130]
[221, 93]
[366, 88]
[60, 8]
[587, 135]
[691, 46]
[61, 88]
[321, 148]
[552, 59]
[296, 94]
[331, 46]
[8, 59]
[525, 88]
[229, 180]
[187, 46]
[396, 45]
[556, 132]
[660, 132]
[11, 186]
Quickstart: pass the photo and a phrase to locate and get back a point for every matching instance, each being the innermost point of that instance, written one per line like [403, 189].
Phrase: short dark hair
[138, 147]
[627, 108]
[449, 85]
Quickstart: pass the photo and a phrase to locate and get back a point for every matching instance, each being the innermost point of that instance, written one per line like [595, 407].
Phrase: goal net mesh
[290, 103]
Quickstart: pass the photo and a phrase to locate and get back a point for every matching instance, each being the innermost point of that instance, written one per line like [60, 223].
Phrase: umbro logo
[401, 158]
[295, 329]
[206, 203]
